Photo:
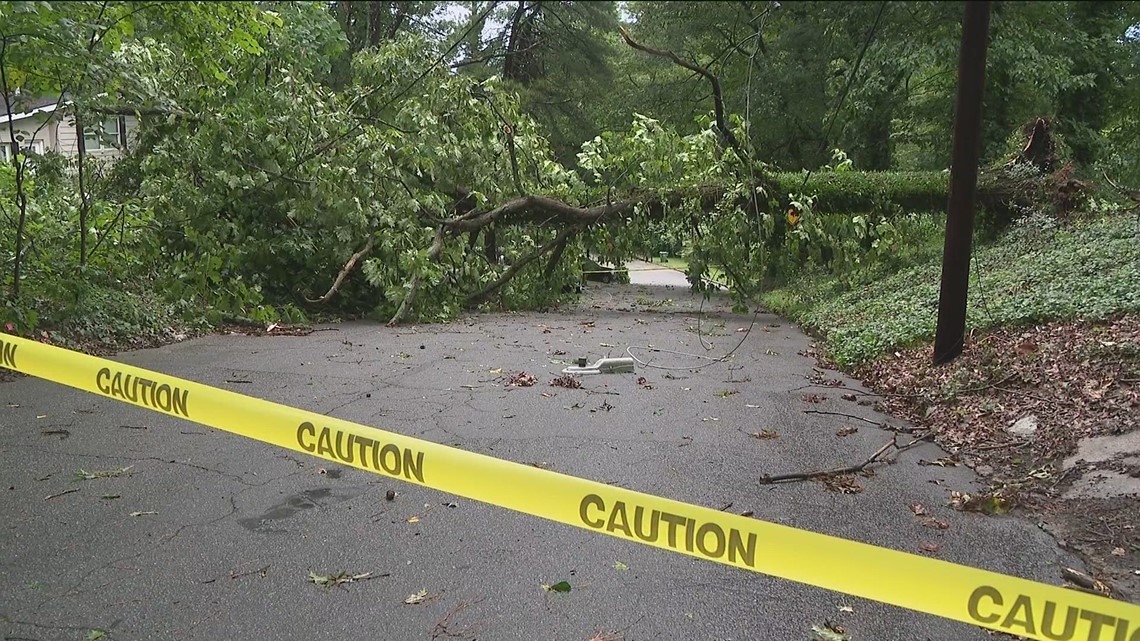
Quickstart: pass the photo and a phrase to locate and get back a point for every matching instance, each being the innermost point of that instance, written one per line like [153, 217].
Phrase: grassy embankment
[1037, 271]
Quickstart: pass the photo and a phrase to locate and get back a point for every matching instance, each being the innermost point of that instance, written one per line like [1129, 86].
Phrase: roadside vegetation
[290, 162]
[1039, 270]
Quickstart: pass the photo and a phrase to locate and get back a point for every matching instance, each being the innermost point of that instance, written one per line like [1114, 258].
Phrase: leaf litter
[338, 580]
[1078, 379]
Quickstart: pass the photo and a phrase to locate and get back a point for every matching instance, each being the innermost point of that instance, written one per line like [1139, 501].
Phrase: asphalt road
[643, 273]
[210, 536]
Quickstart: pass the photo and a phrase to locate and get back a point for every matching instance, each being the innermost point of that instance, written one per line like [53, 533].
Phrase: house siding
[27, 127]
[68, 138]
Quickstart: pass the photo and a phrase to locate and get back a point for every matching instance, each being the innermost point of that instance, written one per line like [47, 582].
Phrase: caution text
[1020, 614]
[386, 458]
[7, 354]
[143, 391]
[679, 532]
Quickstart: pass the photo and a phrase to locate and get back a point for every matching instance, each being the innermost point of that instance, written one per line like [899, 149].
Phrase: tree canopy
[414, 159]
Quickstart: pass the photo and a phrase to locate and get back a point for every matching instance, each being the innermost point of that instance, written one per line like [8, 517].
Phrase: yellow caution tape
[957, 592]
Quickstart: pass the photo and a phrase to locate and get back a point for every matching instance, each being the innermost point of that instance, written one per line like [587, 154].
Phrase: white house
[43, 125]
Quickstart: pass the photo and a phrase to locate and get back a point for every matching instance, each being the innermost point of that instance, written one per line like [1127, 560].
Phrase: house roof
[30, 103]
[27, 106]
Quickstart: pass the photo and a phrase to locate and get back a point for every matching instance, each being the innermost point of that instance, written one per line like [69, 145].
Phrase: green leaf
[561, 586]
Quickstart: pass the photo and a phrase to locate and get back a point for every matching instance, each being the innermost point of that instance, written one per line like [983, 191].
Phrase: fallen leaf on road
[933, 523]
[567, 381]
[561, 586]
[847, 397]
[765, 434]
[918, 509]
[104, 474]
[620, 567]
[522, 379]
[335, 580]
[497, 370]
[418, 597]
[986, 503]
[846, 608]
[813, 398]
[829, 632]
[847, 431]
[945, 461]
[413, 519]
[842, 483]
[95, 635]
[930, 548]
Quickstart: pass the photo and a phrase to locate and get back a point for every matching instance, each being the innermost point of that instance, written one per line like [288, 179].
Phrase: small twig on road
[858, 418]
[858, 392]
[986, 448]
[883, 425]
[52, 496]
[1058, 401]
[441, 626]
[852, 469]
[238, 575]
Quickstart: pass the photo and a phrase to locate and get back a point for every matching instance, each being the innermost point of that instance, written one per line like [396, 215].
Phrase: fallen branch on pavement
[891, 447]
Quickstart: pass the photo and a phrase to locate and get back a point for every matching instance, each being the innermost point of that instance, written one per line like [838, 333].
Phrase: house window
[105, 135]
[36, 147]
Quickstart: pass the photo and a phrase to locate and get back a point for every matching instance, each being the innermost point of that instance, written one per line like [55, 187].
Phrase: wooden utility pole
[951, 333]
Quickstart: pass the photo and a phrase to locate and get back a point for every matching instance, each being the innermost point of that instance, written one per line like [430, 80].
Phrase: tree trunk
[84, 205]
[21, 192]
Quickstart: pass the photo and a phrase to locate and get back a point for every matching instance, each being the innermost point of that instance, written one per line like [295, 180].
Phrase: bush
[880, 192]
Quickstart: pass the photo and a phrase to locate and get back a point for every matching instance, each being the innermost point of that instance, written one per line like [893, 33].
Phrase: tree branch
[406, 304]
[718, 97]
[874, 458]
[481, 295]
[345, 271]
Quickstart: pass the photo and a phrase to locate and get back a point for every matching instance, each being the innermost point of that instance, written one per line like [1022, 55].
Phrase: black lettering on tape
[361, 450]
[1096, 621]
[718, 536]
[618, 520]
[1020, 617]
[595, 501]
[302, 430]
[976, 596]
[639, 518]
[707, 539]
[1048, 617]
[143, 391]
[8, 354]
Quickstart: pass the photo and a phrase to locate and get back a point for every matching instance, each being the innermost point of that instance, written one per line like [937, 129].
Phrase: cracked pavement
[212, 536]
